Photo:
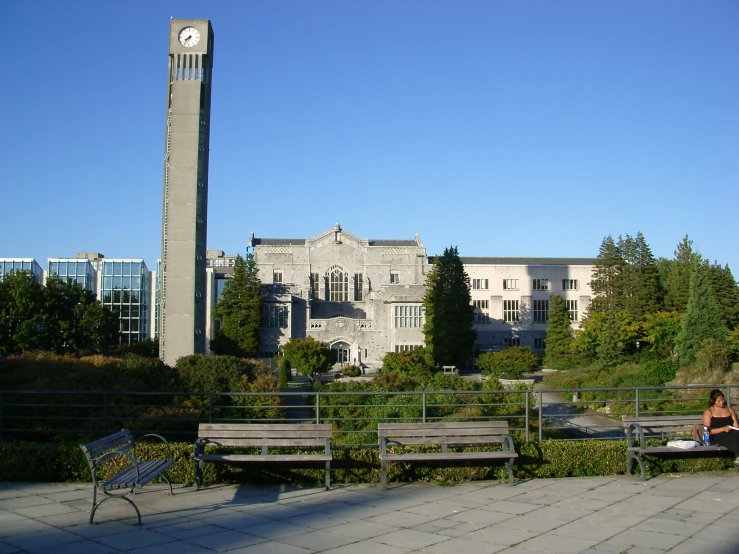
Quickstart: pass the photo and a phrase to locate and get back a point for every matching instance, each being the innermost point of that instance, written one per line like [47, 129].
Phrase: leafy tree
[448, 332]
[607, 269]
[309, 356]
[559, 341]
[678, 280]
[702, 319]
[413, 364]
[239, 312]
[21, 304]
[285, 372]
[513, 361]
[660, 332]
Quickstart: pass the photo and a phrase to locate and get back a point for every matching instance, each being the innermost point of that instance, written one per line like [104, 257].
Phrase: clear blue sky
[526, 128]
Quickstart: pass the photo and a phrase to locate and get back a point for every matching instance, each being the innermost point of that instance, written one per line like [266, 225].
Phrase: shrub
[285, 371]
[351, 371]
[511, 362]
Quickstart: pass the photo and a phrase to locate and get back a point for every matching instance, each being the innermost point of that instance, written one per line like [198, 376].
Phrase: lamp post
[637, 352]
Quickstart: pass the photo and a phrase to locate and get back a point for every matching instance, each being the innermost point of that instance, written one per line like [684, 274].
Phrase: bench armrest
[630, 438]
[165, 441]
[107, 456]
[200, 445]
[507, 444]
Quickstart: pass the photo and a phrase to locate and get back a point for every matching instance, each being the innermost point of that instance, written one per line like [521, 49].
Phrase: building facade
[17, 265]
[182, 285]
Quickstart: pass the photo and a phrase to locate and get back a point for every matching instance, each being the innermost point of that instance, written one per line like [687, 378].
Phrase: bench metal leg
[96, 505]
[383, 473]
[198, 474]
[509, 467]
[328, 475]
[632, 457]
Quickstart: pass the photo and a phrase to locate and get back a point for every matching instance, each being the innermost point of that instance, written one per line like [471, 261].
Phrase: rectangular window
[572, 309]
[570, 284]
[512, 341]
[275, 316]
[406, 347]
[409, 316]
[481, 304]
[541, 284]
[277, 277]
[394, 278]
[510, 284]
[539, 343]
[482, 317]
[358, 284]
[510, 310]
[315, 286]
[541, 311]
[479, 284]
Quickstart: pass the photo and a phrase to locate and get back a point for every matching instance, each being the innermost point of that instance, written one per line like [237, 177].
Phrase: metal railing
[566, 414]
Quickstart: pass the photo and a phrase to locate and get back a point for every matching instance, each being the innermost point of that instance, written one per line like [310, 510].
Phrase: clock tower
[185, 190]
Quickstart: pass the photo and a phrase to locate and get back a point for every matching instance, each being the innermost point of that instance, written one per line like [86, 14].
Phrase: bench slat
[262, 458]
[267, 434]
[483, 439]
[122, 440]
[446, 425]
[148, 471]
[428, 456]
[236, 441]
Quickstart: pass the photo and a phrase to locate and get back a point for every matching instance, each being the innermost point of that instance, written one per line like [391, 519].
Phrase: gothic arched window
[338, 281]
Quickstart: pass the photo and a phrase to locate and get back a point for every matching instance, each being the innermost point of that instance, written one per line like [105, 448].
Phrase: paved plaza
[680, 514]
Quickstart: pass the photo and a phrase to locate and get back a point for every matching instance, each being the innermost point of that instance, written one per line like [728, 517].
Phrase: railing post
[1, 417]
[637, 402]
[318, 407]
[423, 396]
[210, 407]
[527, 414]
[541, 409]
[105, 414]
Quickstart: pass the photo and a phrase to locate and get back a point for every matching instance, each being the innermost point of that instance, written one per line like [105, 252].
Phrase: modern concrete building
[125, 287]
[79, 270]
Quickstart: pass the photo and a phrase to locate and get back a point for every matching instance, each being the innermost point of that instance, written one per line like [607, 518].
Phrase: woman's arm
[733, 416]
[707, 418]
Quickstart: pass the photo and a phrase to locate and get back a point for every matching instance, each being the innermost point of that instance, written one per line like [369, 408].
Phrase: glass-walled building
[17, 265]
[78, 271]
[125, 289]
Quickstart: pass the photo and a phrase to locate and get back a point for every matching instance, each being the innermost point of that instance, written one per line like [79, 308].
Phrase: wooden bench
[471, 433]
[137, 474]
[674, 427]
[267, 436]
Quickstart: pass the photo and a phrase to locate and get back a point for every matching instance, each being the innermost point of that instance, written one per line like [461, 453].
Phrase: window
[315, 286]
[572, 309]
[541, 284]
[479, 284]
[510, 284]
[394, 278]
[277, 277]
[512, 341]
[539, 343]
[482, 317]
[338, 284]
[570, 284]
[275, 316]
[406, 347]
[409, 316]
[541, 311]
[481, 304]
[510, 310]
[358, 284]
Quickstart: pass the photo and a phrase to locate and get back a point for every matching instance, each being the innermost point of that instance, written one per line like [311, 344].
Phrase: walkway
[676, 514]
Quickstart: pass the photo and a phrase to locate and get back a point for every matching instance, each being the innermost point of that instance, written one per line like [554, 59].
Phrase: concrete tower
[185, 206]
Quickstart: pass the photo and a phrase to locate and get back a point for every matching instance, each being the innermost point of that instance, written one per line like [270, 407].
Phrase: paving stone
[226, 541]
[408, 538]
[557, 544]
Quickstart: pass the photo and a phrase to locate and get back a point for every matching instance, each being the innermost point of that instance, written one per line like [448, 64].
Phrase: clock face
[189, 36]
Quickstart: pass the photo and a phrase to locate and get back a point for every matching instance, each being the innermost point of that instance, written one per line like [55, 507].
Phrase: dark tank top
[717, 422]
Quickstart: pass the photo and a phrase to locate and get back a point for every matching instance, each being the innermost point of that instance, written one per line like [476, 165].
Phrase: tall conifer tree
[678, 280]
[240, 312]
[558, 353]
[702, 319]
[725, 293]
[448, 331]
[607, 281]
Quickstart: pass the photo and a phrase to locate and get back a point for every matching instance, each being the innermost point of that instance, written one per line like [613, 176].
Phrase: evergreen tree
[725, 293]
[239, 312]
[559, 351]
[648, 292]
[702, 319]
[448, 331]
[678, 281]
[607, 283]
[610, 346]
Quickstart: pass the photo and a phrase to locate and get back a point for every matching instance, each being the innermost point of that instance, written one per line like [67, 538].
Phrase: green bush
[511, 362]
[285, 372]
[351, 371]
[24, 462]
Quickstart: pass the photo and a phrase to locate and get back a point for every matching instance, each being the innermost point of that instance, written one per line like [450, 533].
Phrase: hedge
[29, 462]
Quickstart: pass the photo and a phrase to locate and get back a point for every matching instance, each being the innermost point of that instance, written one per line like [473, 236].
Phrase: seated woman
[722, 422]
